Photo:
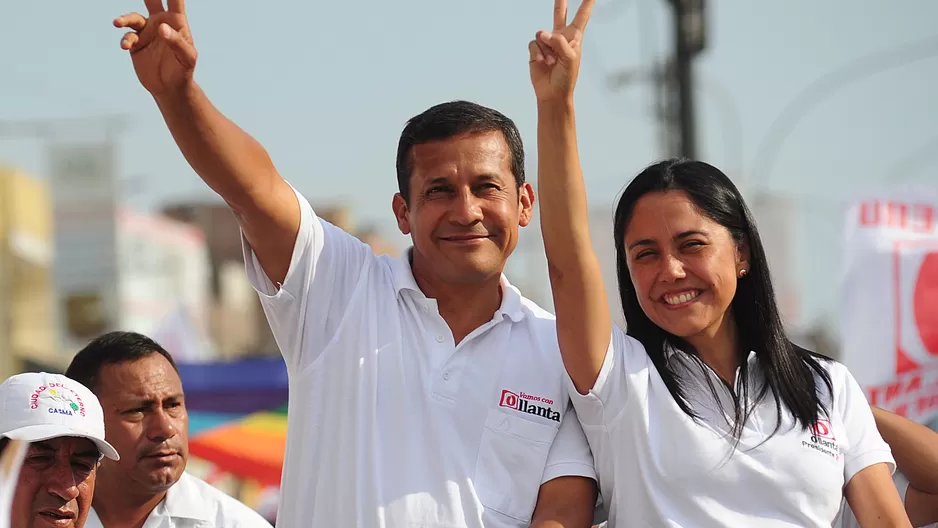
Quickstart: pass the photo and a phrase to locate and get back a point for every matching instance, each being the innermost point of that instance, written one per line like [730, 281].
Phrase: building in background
[27, 322]
[118, 270]
[84, 192]
[163, 283]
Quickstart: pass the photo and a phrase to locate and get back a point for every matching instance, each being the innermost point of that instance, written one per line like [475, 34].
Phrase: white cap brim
[38, 433]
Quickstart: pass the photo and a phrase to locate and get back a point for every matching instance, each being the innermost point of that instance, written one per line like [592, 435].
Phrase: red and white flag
[889, 314]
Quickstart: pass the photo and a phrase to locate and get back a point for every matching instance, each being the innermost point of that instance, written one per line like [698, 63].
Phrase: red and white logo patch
[529, 404]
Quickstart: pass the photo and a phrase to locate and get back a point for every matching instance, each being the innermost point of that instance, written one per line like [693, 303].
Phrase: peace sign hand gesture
[160, 46]
[555, 56]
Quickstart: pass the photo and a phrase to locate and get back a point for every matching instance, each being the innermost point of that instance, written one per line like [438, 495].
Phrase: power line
[50, 129]
[825, 86]
[914, 161]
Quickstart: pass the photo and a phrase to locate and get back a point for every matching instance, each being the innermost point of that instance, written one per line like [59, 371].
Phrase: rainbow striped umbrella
[251, 448]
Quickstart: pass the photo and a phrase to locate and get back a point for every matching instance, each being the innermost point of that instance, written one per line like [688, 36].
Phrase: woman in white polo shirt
[723, 422]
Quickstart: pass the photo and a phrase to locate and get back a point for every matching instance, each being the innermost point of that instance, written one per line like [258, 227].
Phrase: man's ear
[401, 213]
[526, 203]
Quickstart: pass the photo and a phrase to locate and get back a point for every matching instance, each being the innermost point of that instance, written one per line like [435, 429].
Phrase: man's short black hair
[110, 348]
[447, 120]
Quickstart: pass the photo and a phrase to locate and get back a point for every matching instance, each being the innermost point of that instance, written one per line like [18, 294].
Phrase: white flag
[179, 334]
[889, 314]
[10, 462]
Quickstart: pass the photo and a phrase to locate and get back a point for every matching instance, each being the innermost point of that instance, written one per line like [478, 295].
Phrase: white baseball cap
[40, 406]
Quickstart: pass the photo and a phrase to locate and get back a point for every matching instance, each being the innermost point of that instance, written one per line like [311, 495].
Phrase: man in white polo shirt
[63, 424]
[424, 391]
[145, 414]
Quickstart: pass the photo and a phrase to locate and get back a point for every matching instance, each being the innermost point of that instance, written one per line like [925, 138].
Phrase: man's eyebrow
[91, 453]
[42, 446]
[439, 180]
[487, 177]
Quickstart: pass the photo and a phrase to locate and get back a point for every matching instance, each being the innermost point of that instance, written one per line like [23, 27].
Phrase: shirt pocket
[512, 457]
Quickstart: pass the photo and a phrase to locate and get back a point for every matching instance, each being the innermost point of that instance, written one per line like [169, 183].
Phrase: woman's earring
[742, 273]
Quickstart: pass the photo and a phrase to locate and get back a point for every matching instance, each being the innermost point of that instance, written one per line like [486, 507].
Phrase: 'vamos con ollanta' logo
[529, 404]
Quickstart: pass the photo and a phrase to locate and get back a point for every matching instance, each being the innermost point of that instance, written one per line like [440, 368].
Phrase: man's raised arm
[229, 160]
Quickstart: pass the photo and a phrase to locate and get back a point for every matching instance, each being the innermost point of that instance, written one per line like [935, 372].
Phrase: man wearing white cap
[64, 425]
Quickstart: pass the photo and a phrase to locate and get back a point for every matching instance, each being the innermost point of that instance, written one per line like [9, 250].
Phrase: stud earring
[742, 273]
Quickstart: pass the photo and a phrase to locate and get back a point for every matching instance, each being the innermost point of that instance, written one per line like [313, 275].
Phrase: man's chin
[476, 272]
[162, 479]
[464, 265]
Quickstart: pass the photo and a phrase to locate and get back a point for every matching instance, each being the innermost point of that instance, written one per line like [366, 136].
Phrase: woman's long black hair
[789, 371]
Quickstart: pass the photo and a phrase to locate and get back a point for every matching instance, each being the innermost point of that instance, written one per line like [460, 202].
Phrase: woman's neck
[718, 347]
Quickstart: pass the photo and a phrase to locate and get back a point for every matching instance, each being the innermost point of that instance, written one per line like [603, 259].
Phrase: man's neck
[464, 307]
[118, 507]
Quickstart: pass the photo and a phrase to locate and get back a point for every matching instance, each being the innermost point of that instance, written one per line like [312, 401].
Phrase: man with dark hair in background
[425, 390]
[145, 417]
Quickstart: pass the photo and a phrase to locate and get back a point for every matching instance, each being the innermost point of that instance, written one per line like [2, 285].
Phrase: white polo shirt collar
[684, 362]
[670, 351]
[184, 501]
[193, 502]
[403, 279]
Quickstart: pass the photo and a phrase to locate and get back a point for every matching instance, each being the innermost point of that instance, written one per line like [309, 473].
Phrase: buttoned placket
[448, 357]
[754, 424]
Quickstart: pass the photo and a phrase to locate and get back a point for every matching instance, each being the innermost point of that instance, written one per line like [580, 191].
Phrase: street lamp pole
[689, 39]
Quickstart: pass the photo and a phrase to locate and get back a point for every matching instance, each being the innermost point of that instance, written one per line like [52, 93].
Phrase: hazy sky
[327, 86]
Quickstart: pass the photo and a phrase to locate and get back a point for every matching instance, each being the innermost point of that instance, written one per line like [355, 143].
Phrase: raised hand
[555, 55]
[160, 46]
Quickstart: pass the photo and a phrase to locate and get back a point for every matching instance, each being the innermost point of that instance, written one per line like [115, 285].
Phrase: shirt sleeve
[325, 268]
[607, 399]
[863, 446]
[569, 453]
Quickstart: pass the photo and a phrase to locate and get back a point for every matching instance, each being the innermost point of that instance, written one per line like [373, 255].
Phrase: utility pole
[672, 80]
[689, 41]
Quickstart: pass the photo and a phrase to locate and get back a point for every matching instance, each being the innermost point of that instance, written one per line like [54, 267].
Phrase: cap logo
[58, 399]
